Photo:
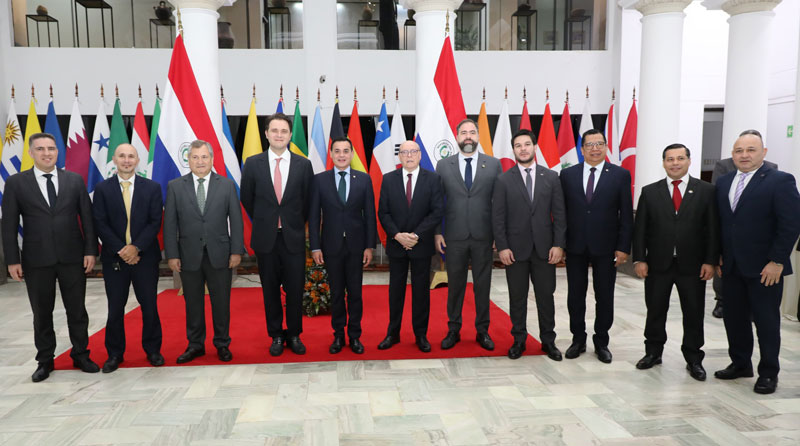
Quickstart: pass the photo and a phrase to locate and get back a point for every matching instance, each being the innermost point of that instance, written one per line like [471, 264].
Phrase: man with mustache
[468, 182]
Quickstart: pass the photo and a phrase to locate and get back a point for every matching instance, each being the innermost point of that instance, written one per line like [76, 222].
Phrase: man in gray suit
[201, 207]
[530, 230]
[468, 181]
[722, 167]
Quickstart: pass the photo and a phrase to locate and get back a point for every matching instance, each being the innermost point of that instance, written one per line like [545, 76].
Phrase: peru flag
[566, 140]
[184, 118]
[441, 112]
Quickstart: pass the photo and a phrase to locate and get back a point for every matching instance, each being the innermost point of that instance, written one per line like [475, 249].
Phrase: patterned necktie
[676, 195]
[51, 191]
[342, 187]
[468, 173]
[408, 190]
[201, 195]
[739, 189]
[590, 185]
[529, 183]
[126, 198]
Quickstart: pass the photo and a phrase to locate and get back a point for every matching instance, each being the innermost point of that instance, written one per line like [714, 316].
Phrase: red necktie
[408, 190]
[676, 195]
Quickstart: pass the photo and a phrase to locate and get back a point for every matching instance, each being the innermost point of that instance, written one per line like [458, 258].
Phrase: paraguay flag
[184, 118]
[441, 112]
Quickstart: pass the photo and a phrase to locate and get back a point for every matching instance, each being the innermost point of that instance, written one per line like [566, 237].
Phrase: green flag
[298, 144]
[118, 136]
[153, 138]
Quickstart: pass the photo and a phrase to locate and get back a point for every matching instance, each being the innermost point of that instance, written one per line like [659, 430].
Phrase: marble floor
[532, 400]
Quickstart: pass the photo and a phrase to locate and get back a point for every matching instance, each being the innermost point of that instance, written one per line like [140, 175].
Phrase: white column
[199, 21]
[747, 76]
[791, 285]
[431, 18]
[659, 85]
[320, 48]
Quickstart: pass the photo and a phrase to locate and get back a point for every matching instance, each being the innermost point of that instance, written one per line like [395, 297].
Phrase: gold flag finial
[254, 91]
[318, 100]
[567, 100]
[524, 94]
[355, 95]
[547, 94]
[33, 92]
[297, 94]
[12, 90]
[221, 92]
[180, 23]
[158, 96]
[51, 91]
[384, 93]
[613, 94]
[281, 94]
[102, 92]
[337, 94]
[587, 92]
[634, 93]
[484, 94]
[116, 91]
[396, 94]
[506, 92]
[447, 23]
[140, 92]
[76, 89]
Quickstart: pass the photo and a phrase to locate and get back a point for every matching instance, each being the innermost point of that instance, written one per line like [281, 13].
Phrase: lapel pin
[483, 165]
[691, 191]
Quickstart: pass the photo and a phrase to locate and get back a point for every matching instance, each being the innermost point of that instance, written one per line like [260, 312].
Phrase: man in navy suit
[409, 208]
[127, 217]
[342, 202]
[599, 206]
[759, 211]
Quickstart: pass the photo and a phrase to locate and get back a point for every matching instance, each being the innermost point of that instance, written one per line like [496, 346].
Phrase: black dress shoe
[296, 345]
[423, 344]
[388, 342]
[733, 372]
[277, 346]
[552, 351]
[516, 350]
[85, 365]
[336, 345]
[112, 363]
[485, 341]
[190, 354]
[648, 361]
[356, 346]
[765, 385]
[603, 354]
[224, 354]
[450, 340]
[696, 371]
[717, 312]
[42, 371]
[575, 350]
[156, 359]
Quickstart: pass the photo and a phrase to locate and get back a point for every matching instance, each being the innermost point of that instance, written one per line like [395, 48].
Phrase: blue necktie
[342, 187]
[468, 173]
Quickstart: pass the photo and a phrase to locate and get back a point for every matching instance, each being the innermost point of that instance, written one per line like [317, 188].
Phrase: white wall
[783, 83]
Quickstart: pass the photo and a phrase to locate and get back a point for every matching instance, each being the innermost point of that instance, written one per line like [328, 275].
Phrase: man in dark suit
[58, 243]
[468, 182]
[204, 242]
[530, 229]
[597, 195]
[759, 212]
[722, 167]
[342, 202]
[409, 208]
[276, 186]
[127, 216]
[676, 242]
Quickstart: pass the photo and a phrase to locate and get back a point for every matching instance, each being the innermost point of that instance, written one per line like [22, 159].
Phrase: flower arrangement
[317, 292]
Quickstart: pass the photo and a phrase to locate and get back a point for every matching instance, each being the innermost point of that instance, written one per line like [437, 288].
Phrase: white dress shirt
[462, 165]
[132, 180]
[681, 187]
[42, 181]
[284, 166]
[587, 172]
[414, 175]
[196, 183]
[735, 182]
[525, 176]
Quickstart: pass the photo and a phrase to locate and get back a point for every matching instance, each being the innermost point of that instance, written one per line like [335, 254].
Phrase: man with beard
[468, 182]
[530, 230]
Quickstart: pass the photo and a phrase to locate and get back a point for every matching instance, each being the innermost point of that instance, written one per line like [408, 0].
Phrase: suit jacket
[468, 213]
[261, 203]
[606, 224]
[726, 165]
[187, 229]
[765, 224]
[692, 232]
[352, 222]
[111, 220]
[529, 228]
[64, 235]
[421, 218]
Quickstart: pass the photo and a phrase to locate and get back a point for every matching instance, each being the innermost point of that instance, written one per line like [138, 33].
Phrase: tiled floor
[446, 402]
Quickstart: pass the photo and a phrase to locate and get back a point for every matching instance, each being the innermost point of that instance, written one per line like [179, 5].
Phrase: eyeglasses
[408, 152]
[592, 145]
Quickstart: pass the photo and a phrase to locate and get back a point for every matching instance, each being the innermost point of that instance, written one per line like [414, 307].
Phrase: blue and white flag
[12, 149]
[317, 149]
[98, 154]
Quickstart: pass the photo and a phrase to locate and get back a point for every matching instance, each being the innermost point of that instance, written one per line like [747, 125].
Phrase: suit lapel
[604, 178]
[688, 196]
[33, 185]
[758, 177]
[188, 184]
[664, 197]
[519, 185]
[268, 169]
[354, 183]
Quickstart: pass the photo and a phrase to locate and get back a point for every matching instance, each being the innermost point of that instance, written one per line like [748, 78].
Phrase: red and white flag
[502, 140]
[140, 139]
[383, 159]
[566, 140]
[77, 144]
[627, 145]
[547, 150]
[611, 136]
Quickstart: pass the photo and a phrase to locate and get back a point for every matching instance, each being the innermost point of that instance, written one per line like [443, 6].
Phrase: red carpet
[250, 343]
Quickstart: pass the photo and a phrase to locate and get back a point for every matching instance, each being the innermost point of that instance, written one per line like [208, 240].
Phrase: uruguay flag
[184, 118]
[441, 112]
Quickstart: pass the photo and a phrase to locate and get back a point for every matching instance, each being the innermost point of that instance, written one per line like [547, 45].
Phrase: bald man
[127, 216]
